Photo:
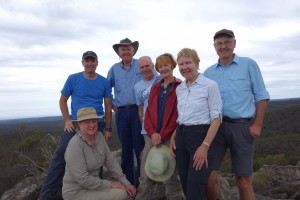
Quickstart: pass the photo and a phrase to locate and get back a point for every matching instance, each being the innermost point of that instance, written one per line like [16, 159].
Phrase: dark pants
[129, 131]
[53, 182]
[188, 139]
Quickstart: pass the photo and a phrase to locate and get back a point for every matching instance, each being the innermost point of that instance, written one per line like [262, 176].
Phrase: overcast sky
[42, 41]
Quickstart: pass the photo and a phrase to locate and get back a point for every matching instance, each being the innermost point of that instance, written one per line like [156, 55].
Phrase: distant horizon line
[54, 116]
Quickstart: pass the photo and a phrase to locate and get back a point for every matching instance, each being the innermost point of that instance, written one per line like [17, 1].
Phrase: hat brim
[135, 45]
[171, 167]
[87, 117]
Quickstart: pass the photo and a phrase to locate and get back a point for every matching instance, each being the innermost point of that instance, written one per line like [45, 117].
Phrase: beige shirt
[83, 163]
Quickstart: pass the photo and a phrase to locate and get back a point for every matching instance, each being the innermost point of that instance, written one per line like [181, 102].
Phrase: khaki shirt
[83, 163]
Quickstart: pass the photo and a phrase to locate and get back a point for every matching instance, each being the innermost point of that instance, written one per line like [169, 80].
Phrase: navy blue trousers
[129, 131]
[188, 139]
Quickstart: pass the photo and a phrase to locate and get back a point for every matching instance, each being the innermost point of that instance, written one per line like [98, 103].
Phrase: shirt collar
[235, 60]
[82, 137]
[198, 80]
[122, 65]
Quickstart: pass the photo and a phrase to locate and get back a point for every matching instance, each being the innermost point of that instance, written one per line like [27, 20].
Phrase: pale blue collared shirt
[200, 103]
[241, 85]
[123, 81]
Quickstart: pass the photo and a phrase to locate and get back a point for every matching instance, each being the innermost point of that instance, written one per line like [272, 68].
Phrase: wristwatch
[108, 129]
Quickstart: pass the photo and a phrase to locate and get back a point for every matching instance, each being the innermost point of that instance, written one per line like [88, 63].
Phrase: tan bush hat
[159, 164]
[87, 113]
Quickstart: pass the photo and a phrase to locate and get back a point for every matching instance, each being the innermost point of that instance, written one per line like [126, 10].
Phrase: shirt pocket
[238, 77]
[118, 85]
[100, 155]
[239, 82]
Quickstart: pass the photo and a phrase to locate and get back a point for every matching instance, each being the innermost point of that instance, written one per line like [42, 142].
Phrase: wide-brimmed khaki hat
[159, 164]
[87, 113]
[126, 42]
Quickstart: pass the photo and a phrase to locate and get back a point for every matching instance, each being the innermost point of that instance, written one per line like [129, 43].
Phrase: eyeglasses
[226, 43]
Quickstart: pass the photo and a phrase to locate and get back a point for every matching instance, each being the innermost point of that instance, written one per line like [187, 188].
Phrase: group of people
[179, 130]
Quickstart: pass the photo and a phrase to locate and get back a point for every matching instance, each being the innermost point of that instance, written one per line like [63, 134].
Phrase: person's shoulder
[77, 74]
[138, 84]
[243, 58]
[75, 141]
[177, 81]
[247, 62]
[116, 65]
[210, 68]
[207, 79]
[157, 78]
[135, 61]
[99, 137]
[100, 77]
[157, 84]
[180, 85]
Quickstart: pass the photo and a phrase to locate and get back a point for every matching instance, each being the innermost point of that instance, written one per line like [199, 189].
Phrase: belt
[241, 120]
[128, 106]
[182, 126]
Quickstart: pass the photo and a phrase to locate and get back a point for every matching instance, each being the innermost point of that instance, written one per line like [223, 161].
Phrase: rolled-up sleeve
[214, 102]
[257, 84]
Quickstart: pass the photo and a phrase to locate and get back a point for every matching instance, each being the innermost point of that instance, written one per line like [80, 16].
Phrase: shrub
[261, 180]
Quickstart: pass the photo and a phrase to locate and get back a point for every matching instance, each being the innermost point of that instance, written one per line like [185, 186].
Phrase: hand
[173, 145]
[107, 135]
[131, 190]
[200, 158]
[69, 127]
[115, 108]
[118, 185]
[255, 131]
[156, 139]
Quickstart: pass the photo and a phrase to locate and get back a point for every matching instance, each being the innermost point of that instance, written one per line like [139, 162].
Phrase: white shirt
[200, 103]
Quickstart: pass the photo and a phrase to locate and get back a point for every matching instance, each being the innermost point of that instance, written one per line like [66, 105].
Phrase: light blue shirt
[200, 103]
[142, 93]
[123, 81]
[241, 85]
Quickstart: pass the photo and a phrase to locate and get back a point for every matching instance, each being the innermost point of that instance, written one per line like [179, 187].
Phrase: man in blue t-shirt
[87, 89]
[245, 100]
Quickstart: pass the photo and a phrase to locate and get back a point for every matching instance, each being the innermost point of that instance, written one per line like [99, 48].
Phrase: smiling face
[88, 127]
[224, 47]
[188, 68]
[164, 65]
[165, 70]
[90, 65]
[126, 53]
[146, 68]
[188, 62]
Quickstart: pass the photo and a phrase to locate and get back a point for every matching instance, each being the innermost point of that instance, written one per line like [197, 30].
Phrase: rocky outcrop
[278, 182]
[281, 182]
[27, 189]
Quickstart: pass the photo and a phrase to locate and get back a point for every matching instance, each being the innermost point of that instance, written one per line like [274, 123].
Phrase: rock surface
[283, 182]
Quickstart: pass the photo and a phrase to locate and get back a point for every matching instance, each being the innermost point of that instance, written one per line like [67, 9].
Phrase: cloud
[42, 41]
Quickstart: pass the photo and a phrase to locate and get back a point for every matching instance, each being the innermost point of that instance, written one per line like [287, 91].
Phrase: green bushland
[278, 144]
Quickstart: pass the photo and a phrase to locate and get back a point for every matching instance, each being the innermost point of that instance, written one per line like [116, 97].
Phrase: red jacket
[170, 113]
